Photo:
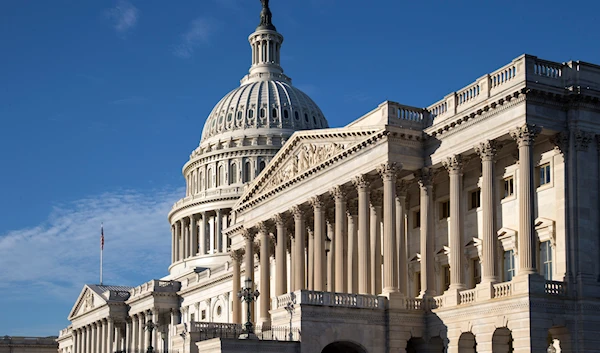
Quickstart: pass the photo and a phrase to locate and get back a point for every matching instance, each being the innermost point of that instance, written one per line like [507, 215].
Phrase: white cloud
[198, 32]
[60, 255]
[124, 16]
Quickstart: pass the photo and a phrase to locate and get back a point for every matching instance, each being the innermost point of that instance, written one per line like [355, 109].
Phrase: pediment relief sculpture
[88, 301]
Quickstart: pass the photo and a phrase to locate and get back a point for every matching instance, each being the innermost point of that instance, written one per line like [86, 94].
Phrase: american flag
[101, 237]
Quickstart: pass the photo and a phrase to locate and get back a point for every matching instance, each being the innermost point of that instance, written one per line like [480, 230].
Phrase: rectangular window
[509, 187]
[417, 283]
[192, 317]
[475, 199]
[544, 174]
[416, 219]
[444, 209]
[546, 260]
[203, 314]
[509, 265]
[446, 277]
[476, 271]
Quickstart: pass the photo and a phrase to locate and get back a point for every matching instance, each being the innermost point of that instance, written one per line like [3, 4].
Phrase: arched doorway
[467, 343]
[343, 347]
[502, 341]
[415, 344]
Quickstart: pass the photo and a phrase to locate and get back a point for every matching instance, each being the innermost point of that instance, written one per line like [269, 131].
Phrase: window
[476, 271]
[416, 219]
[192, 317]
[509, 265]
[509, 187]
[250, 114]
[262, 112]
[274, 112]
[306, 117]
[286, 115]
[297, 116]
[209, 178]
[417, 283]
[544, 174]
[233, 174]
[247, 172]
[546, 260]
[261, 166]
[446, 277]
[475, 199]
[444, 209]
[203, 314]
[220, 176]
[239, 115]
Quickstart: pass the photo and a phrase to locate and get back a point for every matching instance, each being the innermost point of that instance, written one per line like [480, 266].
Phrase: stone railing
[155, 286]
[467, 296]
[16, 341]
[503, 289]
[526, 68]
[438, 301]
[203, 331]
[555, 288]
[346, 300]
[413, 304]
[207, 194]
[65, 332]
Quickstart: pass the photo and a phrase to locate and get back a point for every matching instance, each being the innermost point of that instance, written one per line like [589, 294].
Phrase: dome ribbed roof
[264, 104]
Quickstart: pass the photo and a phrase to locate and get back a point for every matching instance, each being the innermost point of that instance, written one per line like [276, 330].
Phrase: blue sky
[101, 103]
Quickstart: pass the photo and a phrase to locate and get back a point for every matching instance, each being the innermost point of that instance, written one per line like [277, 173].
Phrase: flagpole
[101, 248]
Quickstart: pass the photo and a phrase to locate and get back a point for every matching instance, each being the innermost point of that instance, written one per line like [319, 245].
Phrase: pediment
[305, 153]
[87, 301]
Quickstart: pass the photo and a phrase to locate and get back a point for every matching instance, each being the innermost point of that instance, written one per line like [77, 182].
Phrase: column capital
[425, 177]
[279, 219]
[582, 139]
[297, 212]
[248, 234]
[389, 170]
[317, 201]
[338, 193]
[561, 141]
[487, 150]
[525, 135]
[361, 182]
[237, 255]
[261, 227]
[453, 164]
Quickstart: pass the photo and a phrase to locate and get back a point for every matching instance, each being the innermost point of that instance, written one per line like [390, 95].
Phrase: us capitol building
[471, 225]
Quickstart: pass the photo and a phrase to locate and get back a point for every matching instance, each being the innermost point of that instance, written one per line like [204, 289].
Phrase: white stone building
[471, 225]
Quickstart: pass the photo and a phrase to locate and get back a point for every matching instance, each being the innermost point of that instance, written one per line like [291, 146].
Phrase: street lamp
[150, 326]
[248, 296]
[290, 309]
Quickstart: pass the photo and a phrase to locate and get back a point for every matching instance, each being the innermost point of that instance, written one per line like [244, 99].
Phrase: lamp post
[290, 309]
[150, 326]
[248, 295]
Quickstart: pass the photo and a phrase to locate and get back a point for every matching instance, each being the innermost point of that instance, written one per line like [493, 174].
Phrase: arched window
[297, 116]
[261, 166]
[239, 115]
[306, 117]
[201, 181]
[274, 112]
[286, 114]
[233, 174]
[209, 179]
[247, 169]
[262, 112]
[220, 176]
[250, 114]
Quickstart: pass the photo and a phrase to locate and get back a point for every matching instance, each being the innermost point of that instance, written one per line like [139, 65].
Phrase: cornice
[235, 152]
[199, 202]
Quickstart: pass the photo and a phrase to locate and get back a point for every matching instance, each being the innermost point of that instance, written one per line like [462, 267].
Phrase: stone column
[173, 245]
[202, 240]
[292, 251]
[185, 231]
[375, 234]
[525, 136]
[310, 278]
[249, 254]
[299, 228]
[425, 179]
[352, 264]
[401, 190]
[111, 335]
[265, 275]
[155, 333]
[128, 335]
[236, 256]
[75, 341]
[94, 328]
[388, 172]
[179, 228]
[330, 254]
[135, 330]
[101, 342]
[194, 231]
[88, 339]
[341, 277]
[487, 152]
[218, 236]
[280, 256]
[362, 185]
[454, 166]
[319, 247]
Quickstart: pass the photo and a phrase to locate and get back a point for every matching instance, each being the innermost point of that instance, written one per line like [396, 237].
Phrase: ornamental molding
[224, 155]
[304, 155]
[582, 139]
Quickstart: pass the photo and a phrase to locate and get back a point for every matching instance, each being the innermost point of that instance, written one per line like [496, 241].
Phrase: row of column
[138, 336]
[97, 337]
[195, 235]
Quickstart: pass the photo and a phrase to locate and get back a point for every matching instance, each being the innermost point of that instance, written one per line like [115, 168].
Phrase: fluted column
[330, 254]
[194, 240]
[88, 341]
[310, 253]
[173, 244]
[454, 166]
[292, 284]
[425, 179]
[185, 231]
[401, 190]
[299, 228]
[388, 172]
[179, 229]
[265, 275]
[525, 137]
[154, 333]
[75, 339]
[101, 342]
[218, 236]
[111, 334]
[352, 264]
[341, 277]
[128, 334]
[487, 153]
[280, 256]
[375, 233]
[249, 254]
[236, 256]
[135, 330]
[141, 332]
[364, 248]
[94, 327]
[319, 246]
[202, 240]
